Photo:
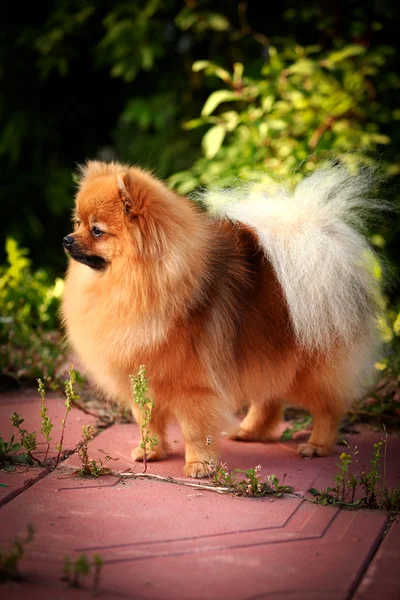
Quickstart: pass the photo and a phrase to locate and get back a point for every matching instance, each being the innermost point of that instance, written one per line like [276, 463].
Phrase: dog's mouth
[98, 263]
[91, 260]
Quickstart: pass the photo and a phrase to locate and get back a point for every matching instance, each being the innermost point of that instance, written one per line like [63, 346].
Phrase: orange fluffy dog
[272, 299]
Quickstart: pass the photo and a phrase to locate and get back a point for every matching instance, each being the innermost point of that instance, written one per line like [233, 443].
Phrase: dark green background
[114, 80]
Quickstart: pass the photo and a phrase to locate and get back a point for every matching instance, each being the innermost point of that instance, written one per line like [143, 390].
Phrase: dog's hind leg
[323, 435]
[321, 396]
[260, 422]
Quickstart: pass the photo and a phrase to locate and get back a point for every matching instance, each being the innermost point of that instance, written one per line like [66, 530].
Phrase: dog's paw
[241, 435]
[197, 470]
[309, 450]
[156, 453]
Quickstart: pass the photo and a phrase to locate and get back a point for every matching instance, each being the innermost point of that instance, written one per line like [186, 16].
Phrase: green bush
[115, 81]
[301, 106]
[29, 340]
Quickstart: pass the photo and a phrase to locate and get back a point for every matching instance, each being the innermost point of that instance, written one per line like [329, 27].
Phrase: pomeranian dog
[271, 300]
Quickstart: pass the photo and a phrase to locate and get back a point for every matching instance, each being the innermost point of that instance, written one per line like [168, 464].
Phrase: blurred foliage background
[201, 92]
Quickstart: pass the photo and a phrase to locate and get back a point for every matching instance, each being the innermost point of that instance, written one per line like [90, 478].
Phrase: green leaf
[238, 69]
[3, 485]
[82, 565]
[313, 492]
[215, 100]
[15, 448]
[22, 459]
[231, 119]
[213, 139]
[396, 325]
[302, 67]
[338, 56]
[218, 22]
[193, 123]
[9, 468]
[287, 434]
[201, 65]
[97, 559]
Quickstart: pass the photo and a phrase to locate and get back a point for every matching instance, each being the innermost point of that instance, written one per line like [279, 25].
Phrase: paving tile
[160, 540]
[26, 403]
[169, 541]
[18, 481]
[382, 579]
[278, 458]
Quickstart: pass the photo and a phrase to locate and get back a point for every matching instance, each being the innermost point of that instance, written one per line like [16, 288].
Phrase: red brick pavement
[165, 541]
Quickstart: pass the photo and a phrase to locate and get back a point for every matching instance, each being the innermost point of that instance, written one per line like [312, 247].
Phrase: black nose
[68, 241]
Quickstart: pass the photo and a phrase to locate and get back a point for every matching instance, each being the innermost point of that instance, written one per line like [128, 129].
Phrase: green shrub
[300, 106]
[29, 340]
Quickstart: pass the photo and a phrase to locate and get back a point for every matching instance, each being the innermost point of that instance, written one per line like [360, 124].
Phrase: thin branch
[199, 486]
[35, 459]
[319, 132]
[88, 412]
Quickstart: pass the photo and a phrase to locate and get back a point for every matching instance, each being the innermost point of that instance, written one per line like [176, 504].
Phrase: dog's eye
[96, 231]
[77, 222]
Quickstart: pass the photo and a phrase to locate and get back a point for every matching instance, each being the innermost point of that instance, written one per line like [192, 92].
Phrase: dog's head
[120, 212]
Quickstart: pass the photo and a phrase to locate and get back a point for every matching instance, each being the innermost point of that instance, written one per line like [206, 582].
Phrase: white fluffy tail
[324, 264]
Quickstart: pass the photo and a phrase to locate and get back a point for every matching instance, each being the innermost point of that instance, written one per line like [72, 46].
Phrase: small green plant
[47, 424]
[298, 425]
[371, 484]
[8, 455]
[75, 571]
[9, 559]
[89, 468]
[251, 485]
[140, 392]
[70, 397]
[370, 479]
[28, 440]
[98, 565]
[8, 450]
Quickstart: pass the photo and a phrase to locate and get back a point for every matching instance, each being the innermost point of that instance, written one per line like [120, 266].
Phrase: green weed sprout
[89, 467]
[374, 492]
[7, 452]
[28, 440]
[369, 479]
[47, 424]
[252, 484]
[98, 565]
[70, 397]
[81, 569]
[9, 560]
[299, 425]
[140, 393]
[75, 571]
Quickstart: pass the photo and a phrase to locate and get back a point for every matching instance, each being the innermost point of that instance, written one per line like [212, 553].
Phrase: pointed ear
[124, 182]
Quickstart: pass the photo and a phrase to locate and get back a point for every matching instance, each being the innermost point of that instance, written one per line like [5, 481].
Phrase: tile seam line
[30, 483]
[325, 529]
[383, 533]
[88, 487]
[215, 550]
[197, 537]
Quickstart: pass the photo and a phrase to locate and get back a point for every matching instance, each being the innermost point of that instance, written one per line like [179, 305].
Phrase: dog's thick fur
[273, 300]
